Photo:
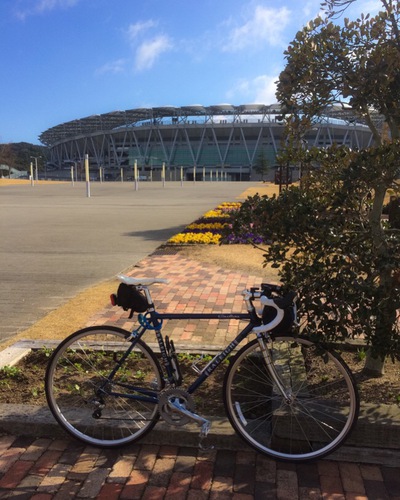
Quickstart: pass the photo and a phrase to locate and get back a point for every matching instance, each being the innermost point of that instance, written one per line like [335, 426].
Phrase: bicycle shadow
[155, 234]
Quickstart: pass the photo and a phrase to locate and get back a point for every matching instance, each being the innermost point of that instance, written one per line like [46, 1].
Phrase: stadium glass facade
[222, 141]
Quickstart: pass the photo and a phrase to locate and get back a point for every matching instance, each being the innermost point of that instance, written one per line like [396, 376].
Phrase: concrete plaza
[56, 241]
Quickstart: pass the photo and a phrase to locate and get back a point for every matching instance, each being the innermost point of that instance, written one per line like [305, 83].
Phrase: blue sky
[68, 59]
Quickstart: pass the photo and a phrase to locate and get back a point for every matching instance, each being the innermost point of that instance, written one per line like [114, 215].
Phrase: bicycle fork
[287, 394]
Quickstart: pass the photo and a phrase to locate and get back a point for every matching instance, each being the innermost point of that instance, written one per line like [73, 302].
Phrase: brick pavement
[48, 468]
[193, 287]
[44, 469]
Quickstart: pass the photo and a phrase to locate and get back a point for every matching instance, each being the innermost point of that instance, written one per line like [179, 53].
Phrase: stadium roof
[131, 117]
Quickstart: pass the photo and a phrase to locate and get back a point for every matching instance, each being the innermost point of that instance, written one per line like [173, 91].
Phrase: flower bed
[209, 228]
[213, 228]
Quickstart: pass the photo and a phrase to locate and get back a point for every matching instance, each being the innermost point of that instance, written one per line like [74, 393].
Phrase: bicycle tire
[324, 407]
[78, 393]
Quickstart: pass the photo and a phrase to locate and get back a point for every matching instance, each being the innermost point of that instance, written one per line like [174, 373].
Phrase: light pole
[36, 166]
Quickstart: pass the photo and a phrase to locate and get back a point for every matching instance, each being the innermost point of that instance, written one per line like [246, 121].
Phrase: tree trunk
[374, 367]
[386, 315]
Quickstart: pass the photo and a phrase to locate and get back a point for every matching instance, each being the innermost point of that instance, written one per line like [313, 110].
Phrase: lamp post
[36, 165]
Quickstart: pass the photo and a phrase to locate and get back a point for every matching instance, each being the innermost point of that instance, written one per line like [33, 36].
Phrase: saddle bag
[128, 297]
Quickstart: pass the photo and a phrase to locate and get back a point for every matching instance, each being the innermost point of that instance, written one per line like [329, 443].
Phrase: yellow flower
[214, 225]
[206, 237]
[215, 213]
[195, 238]
[230, 204]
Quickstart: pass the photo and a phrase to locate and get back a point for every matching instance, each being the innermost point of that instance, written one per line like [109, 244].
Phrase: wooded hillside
[18, 154]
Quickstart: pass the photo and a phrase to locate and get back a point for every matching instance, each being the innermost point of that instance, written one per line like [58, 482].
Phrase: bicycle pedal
[205, 429]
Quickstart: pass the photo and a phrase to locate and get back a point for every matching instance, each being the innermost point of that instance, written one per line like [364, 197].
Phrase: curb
[37, 421]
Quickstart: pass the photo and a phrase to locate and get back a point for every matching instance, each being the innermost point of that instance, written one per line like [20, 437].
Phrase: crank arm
[179, 408]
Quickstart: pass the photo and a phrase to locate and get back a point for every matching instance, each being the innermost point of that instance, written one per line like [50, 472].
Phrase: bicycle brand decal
[219, 358]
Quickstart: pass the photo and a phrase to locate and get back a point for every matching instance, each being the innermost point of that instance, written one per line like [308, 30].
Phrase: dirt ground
[24, 383]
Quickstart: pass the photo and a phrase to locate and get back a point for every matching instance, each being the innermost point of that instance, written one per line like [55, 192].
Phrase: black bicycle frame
[218, 358]
[155, 323]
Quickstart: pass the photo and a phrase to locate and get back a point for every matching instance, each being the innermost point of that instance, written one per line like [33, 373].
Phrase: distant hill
[18, 155]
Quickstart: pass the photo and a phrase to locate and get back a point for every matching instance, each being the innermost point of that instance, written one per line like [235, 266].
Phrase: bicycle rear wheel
[91, 404]
[318, 417]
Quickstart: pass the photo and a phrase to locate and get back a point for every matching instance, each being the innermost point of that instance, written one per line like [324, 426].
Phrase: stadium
[219, 142]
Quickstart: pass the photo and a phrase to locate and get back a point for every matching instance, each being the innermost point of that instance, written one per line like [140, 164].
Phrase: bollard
[31, 176]
[135, 175]
[87, 176]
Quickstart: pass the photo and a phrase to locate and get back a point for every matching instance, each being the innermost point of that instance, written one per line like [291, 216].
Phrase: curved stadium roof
[130, 117]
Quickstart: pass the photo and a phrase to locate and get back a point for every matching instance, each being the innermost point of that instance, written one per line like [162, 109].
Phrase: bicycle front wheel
[318, 414]
[96, 396]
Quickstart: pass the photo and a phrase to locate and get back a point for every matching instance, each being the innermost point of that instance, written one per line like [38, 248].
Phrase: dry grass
[71, 316]
[21, 182]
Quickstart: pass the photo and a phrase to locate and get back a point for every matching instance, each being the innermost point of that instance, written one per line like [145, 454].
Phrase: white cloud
[136, 29]
[25, 8]
[146, 46]
[311, 9]
[260, 90]
[112, 67]
[149, 51]
[264, 25]
[265, 89]
[43, 5]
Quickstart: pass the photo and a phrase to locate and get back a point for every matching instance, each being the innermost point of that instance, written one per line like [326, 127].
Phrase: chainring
[168, 412]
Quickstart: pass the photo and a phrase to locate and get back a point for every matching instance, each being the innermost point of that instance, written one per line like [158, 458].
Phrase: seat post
[148, 294]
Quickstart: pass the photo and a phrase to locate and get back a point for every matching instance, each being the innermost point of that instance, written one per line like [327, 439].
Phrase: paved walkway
[44, 469]
[192, 287]
[61, 468]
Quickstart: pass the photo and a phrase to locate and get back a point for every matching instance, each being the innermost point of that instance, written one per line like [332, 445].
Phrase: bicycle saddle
[140, 281]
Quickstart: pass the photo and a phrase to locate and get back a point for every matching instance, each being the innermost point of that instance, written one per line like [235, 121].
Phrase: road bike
[288, 397]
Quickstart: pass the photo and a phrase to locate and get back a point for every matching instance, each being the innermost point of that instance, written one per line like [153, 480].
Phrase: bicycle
[288, 397]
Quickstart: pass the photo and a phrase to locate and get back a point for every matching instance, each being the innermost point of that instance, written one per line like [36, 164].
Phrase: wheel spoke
[315, 415]
[80, 391]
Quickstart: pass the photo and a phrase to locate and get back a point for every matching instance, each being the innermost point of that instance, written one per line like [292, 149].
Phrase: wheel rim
[319, 415]
[80, 397]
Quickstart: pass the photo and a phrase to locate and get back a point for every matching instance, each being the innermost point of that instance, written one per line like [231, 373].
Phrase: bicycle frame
[155, 323]
[218, 358]
[153, 320]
